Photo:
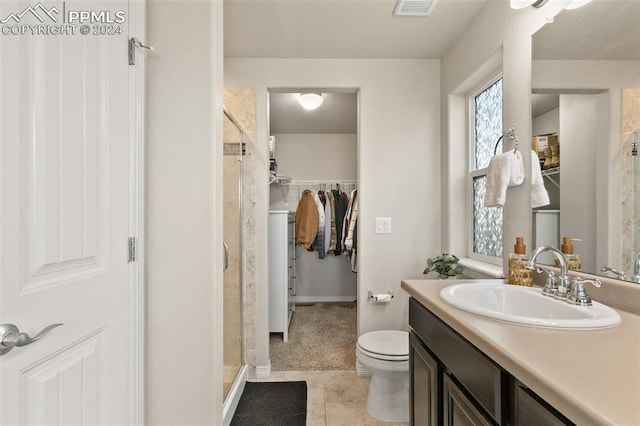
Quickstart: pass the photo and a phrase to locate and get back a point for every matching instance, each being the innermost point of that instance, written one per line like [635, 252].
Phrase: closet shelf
[279, 179]
[328, 182]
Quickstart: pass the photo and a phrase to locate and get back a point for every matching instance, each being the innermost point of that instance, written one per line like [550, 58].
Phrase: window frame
[473, 173]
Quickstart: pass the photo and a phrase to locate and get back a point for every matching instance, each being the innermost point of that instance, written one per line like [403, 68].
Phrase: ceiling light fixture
[521, 4]
[310, 101]
[577, 3]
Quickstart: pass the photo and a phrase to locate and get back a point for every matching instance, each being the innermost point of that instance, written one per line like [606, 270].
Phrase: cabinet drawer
[476, 373]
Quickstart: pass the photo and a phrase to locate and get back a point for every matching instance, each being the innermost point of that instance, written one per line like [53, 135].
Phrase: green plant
[446, 265]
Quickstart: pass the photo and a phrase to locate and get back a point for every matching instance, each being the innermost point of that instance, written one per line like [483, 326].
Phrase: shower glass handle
[226, 256]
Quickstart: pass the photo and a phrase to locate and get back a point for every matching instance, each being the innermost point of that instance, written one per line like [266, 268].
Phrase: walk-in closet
[313, 230]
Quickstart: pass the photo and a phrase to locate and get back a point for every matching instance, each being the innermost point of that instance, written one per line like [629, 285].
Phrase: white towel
[517, 169]
[504, 170]
[539, 195]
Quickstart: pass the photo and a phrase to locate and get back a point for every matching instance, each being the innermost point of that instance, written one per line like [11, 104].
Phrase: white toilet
[385, 353]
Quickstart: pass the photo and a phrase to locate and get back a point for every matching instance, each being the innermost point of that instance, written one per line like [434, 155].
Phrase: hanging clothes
[341, 209]
[352, 219]
[318, 244]
[307, 220]
[351, 240]
[345, 222]
[327, 222]
[333, 233]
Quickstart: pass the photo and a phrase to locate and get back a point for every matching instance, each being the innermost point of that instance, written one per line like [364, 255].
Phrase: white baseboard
[231, 403]
[263, 371]
[324, 299]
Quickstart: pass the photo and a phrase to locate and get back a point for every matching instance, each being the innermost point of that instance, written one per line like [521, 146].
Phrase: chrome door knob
[10, 336]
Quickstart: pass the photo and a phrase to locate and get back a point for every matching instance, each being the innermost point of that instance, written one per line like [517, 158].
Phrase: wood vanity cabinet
[453, 383]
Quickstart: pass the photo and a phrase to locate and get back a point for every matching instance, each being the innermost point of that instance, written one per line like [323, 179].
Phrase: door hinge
[132, 249]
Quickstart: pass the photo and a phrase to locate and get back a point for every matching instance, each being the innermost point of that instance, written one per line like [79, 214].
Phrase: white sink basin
[526, 305]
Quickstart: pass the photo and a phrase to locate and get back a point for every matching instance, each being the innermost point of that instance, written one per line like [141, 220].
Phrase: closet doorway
[313, 159]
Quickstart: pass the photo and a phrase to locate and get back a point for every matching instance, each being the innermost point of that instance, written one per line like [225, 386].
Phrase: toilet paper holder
[381, 297]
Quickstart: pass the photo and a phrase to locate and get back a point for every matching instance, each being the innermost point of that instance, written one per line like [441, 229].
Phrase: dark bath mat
[272, 403]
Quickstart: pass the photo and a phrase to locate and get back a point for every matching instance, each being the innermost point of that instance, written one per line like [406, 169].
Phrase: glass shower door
[233, 240]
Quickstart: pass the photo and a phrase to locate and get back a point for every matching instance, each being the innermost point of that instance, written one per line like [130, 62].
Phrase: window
[485, 243]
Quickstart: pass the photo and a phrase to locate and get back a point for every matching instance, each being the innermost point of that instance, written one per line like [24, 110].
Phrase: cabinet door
[529, 410]
[457, 409]
[475, 372]
[424, 385]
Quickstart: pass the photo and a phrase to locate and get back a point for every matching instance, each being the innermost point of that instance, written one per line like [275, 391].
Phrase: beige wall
[183, 230]
[498, 39]
[317, 156]
[398, 168]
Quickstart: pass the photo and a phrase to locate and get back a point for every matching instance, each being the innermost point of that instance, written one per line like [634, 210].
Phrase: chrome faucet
[636, 275]
[619, 274]
[578, 295]
[556, 286]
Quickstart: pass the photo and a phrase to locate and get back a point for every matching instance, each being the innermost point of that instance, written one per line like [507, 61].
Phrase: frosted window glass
[487, 222]
[488, 123]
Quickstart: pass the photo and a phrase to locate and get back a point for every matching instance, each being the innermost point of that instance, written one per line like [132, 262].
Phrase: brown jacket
[306, 220]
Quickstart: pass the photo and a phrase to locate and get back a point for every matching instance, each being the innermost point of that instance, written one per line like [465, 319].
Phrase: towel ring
[512, 135]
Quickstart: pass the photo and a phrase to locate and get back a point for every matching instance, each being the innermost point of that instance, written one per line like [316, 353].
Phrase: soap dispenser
[519, 274]
[573, 259]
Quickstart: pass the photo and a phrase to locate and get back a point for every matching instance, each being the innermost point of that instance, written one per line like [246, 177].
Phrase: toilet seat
[387, 345]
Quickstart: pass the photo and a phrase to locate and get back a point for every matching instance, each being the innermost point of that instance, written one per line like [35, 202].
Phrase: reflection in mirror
[584, 117]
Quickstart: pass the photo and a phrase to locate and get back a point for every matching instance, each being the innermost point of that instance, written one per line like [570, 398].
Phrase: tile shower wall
[631, 175]
[241, 103]
[232, 225]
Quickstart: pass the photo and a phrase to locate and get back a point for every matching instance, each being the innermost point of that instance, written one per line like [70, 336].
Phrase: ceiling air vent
[414, 7]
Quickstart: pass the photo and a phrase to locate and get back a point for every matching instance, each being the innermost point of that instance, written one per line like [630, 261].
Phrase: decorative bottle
[573, 259]
[519, 274]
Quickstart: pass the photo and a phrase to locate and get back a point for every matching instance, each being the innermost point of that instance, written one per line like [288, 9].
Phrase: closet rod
[319, 182]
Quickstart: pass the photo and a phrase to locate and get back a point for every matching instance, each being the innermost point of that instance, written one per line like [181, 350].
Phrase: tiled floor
[334, 397]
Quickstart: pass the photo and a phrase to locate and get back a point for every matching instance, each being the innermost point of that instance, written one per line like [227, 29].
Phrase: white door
[64, 211]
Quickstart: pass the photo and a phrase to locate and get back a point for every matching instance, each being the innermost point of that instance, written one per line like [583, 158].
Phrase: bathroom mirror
[582, 64]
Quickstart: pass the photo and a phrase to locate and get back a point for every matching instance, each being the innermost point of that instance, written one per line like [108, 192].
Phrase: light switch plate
[383, 225]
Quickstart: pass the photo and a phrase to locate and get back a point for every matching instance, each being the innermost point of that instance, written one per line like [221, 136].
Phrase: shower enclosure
[234, 139]
[631, 183]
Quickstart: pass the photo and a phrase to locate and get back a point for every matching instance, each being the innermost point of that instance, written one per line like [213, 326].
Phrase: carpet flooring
[273, 404]
[322, 336]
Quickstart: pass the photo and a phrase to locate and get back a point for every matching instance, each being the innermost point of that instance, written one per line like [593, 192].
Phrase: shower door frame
[232, 397]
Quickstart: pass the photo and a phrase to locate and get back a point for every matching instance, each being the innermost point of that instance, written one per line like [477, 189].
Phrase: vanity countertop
[590, 376]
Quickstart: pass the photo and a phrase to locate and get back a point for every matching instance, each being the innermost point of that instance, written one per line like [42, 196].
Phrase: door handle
[226, 256]
[10, 337]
